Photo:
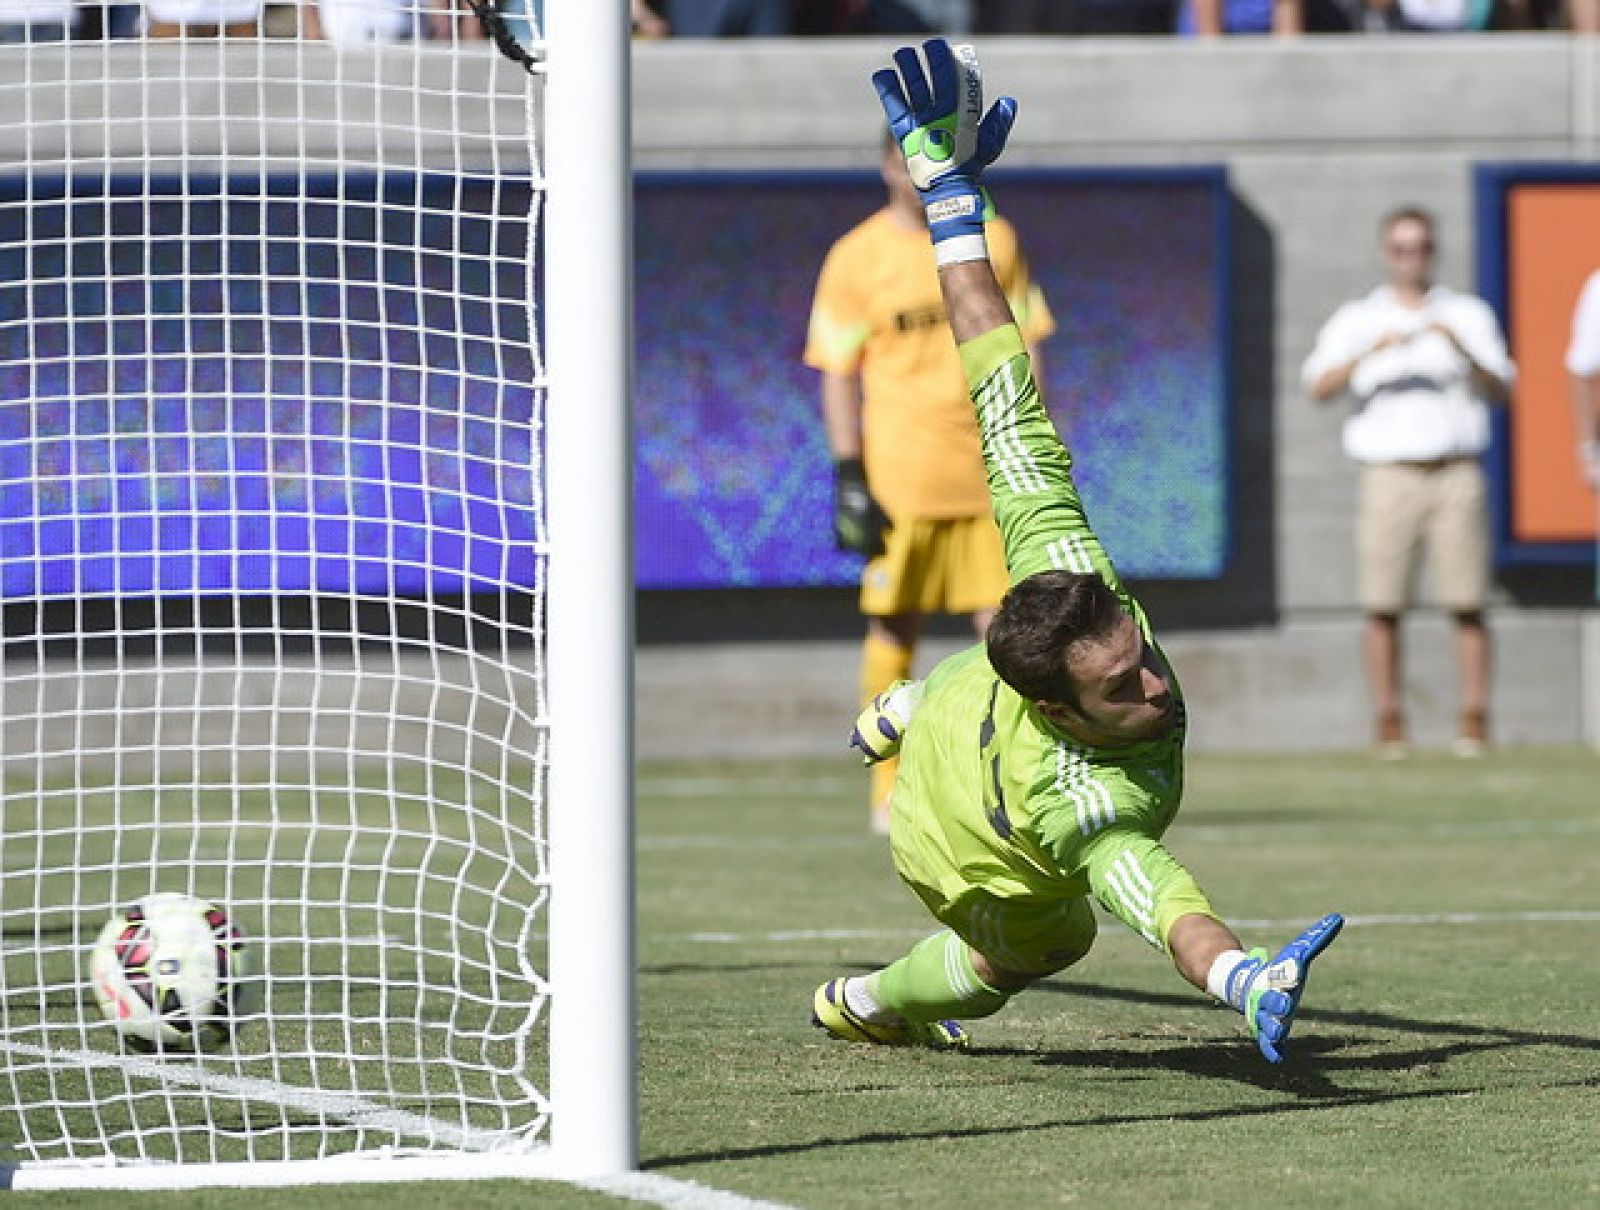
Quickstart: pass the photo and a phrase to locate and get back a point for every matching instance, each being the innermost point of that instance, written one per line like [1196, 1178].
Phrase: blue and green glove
[937, 114]
[1268, 992]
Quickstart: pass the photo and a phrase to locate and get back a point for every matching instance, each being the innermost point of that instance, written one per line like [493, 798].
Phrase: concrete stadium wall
[1320, 136]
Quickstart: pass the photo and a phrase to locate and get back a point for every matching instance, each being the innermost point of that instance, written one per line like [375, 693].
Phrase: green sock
[936, 981]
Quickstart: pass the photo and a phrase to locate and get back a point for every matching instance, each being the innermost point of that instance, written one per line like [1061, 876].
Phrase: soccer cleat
[882, 725]
[830, 1012]
[1273, 992]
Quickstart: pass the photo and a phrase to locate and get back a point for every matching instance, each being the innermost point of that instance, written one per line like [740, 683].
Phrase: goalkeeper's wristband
[956, 211]
[1232, 975]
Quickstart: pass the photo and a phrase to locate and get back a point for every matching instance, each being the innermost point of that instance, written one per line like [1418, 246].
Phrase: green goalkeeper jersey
[991, 796]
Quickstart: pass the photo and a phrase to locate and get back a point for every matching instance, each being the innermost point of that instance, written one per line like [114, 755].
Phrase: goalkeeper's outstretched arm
[935, 112]
[973, 298]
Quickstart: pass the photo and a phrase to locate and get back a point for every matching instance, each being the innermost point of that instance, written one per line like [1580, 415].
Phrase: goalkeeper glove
[1268, 992]
[947, 139]
[858, 522]
[882, 725]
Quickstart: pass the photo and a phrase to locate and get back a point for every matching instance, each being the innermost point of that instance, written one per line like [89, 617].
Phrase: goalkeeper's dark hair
[1038, 620]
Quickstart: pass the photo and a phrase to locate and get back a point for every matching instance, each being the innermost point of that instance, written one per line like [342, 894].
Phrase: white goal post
[316, 584]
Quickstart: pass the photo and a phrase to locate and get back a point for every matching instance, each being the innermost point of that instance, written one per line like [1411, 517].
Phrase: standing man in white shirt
[1421, 362]
[1583, 366]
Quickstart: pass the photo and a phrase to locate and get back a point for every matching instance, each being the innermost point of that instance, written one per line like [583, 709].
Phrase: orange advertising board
[1552, 245]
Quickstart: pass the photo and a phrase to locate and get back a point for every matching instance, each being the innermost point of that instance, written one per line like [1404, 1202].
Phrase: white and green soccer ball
[173, 972]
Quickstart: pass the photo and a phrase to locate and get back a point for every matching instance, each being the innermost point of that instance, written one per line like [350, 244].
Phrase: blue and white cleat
[1273, 992]
[830, 1012]
[881, 727]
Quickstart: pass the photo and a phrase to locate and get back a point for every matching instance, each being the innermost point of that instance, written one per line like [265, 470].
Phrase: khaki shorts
[1408, 505]
[946, 566]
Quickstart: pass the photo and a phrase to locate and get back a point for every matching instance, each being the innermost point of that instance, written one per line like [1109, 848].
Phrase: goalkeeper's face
[1124, 690]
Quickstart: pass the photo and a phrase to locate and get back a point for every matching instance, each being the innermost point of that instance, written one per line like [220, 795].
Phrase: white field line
[1199, 833]
[1393, 920]
[353, 1109]
[764, 786]
[645, 1187]
[676, 1195]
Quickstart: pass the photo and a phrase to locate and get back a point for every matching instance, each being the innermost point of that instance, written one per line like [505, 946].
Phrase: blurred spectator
[37, 20]
[202, 18]
[1583, 364]
[1582, 16]
[943, 16]
[1432, 16]
[356, 21]
[1076, 16]
[1420, 361]
[1027, 16]
[451, 21]
[932, 16]
[727, 18]
[883, 16]
[1209, 18]
[93, 21]
[647, 23]
[121, 20]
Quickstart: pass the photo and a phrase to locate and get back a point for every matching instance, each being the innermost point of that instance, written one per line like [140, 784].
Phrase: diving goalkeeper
[1043, 767]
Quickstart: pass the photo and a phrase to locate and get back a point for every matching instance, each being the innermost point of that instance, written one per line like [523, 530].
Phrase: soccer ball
[172, 971]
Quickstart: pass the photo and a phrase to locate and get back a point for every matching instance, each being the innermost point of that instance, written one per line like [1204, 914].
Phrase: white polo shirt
[1583, 354]
[202, 12]
[1414, 400]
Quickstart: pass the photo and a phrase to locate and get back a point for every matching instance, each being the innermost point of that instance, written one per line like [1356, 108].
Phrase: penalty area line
[1387, 920]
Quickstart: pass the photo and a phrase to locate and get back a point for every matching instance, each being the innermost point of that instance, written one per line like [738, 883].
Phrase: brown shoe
[1391, 729]
[1473, 737]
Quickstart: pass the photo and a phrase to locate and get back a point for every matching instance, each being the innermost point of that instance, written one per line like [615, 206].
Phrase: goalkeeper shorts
[949, 565]
[1027, 935]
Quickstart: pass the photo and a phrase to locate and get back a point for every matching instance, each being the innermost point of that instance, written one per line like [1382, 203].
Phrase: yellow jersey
[878, 314]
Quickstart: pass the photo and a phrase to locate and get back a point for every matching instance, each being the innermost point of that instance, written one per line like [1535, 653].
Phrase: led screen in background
[1538, 241]
[297, 385]
[734, 477]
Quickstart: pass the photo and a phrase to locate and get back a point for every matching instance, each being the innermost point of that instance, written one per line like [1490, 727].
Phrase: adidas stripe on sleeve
[1036, 503]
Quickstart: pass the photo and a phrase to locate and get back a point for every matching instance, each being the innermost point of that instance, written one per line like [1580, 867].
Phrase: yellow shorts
[954, 565]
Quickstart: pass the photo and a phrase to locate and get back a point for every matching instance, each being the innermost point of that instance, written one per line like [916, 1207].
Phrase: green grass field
[1448, 1054]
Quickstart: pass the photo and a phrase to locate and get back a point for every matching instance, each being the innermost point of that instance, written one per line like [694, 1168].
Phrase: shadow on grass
[1307, 1083]
[896, 1137]
[1470, 1037]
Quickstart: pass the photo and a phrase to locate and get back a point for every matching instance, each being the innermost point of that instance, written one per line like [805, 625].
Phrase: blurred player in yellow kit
[909, 492]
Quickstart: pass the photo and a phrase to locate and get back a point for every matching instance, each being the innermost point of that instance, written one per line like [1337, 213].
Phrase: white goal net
[272, 569]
